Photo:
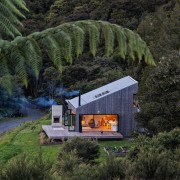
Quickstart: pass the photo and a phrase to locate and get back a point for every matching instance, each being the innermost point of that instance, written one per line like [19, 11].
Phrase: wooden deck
[63, 133]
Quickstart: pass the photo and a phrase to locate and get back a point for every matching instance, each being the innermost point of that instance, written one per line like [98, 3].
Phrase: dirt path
[32, 115]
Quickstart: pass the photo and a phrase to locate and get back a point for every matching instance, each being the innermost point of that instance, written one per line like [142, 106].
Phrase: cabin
[106, 112]
[108, 108]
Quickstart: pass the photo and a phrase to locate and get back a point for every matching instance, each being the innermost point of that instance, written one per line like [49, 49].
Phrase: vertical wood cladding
[120, 102]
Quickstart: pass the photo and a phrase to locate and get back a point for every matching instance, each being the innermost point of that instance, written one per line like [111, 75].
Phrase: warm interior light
[83, 122]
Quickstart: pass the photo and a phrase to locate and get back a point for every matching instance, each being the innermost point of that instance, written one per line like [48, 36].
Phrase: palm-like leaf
[9, 10]
[65, 44]
[53, 50]
[121, 39]
[67, 41]
[94, 36]
[19, 60]
[32, 53]
[109, 38]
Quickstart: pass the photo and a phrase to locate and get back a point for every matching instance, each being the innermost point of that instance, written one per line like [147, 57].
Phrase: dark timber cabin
[108, 108]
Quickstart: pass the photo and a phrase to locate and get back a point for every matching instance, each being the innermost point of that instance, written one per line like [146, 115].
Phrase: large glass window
[99, 122]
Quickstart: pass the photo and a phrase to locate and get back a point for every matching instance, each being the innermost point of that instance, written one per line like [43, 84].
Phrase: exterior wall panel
[120, 102]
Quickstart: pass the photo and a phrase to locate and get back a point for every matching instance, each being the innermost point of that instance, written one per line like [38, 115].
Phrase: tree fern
[66, 42]
[9, 10]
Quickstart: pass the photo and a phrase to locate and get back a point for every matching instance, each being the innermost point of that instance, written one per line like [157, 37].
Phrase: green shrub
[23, 168]
[112, 168]
[86, 150]
[155, 158]
[170, 140]
[66, 165]
[154, 164]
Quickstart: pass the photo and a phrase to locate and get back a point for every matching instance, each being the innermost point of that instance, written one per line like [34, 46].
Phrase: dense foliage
[66, 42]
[160, 96]
[25, 60]
[151, 158]
[26, 52]
[86, 150]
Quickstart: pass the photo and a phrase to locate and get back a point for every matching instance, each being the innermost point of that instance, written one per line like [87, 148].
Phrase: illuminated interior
[99, 122]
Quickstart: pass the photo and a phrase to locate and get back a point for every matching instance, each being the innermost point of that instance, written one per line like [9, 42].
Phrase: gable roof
[102, 91]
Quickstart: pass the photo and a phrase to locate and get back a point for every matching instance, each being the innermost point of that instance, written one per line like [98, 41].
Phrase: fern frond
[4, 70]
[130, 43]
[4, 44]
[53, 51]
[94, 37]
[20, 64]
[7, 13]
[8, 16]
[67, 41]
[33, 55]
[109, 38]
[4, 29]
[6, 23]
[20, 4]
[121, 39]
[78, 38]
[64, 41]
[92, 30]
[12, 8]
[148, 57]
[140, 47]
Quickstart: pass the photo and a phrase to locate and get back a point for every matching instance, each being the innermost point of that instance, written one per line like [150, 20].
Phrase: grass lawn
[24, 139]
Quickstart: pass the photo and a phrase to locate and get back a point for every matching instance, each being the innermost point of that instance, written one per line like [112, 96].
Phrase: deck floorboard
[62, 132]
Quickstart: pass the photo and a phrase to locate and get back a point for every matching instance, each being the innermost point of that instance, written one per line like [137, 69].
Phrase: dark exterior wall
[120, 102]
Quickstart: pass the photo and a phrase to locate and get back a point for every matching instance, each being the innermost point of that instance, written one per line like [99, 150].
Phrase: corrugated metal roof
[103, 91]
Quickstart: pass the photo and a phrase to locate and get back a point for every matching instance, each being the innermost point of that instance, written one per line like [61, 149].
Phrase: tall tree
[160, 108]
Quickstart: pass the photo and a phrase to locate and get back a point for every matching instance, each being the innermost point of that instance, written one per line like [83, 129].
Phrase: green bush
[86, 150]
[170, 140]
[23, 168]
[68, 161]
[112, 168]
[155, 158]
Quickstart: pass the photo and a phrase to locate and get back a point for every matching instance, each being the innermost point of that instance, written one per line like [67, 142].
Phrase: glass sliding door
[70, 120]
[99, 122]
